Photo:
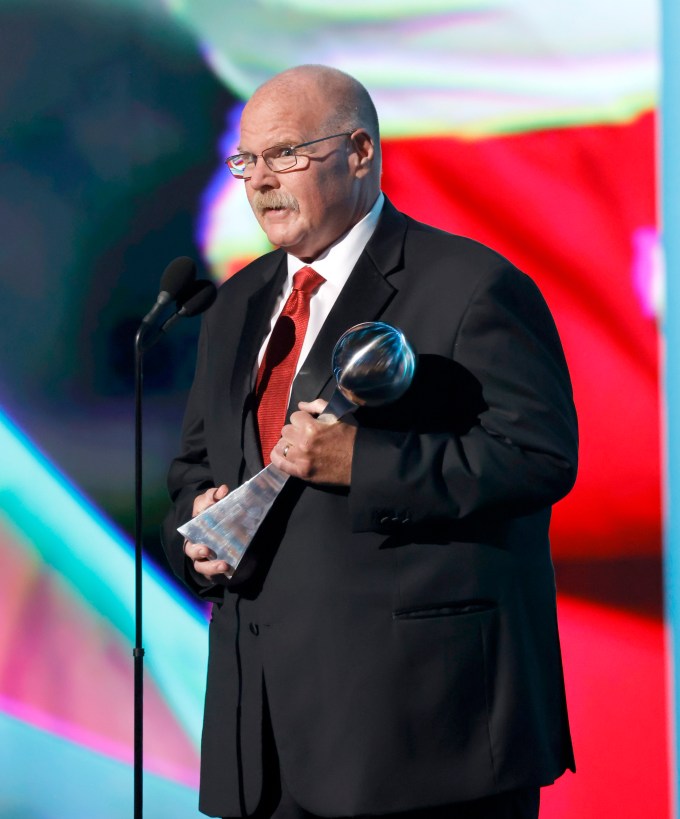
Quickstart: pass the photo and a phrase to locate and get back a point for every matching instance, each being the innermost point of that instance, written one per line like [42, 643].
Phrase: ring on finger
[285, 450]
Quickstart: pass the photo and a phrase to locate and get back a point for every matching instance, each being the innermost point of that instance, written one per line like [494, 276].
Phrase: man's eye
[285, 150]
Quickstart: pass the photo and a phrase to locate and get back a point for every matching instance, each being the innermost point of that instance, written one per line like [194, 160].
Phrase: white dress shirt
[335, 265]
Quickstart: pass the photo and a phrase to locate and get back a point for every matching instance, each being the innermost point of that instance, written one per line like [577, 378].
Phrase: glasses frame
[292, 148]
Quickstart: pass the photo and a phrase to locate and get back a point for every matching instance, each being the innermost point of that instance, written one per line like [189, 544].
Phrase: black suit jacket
[405, 629]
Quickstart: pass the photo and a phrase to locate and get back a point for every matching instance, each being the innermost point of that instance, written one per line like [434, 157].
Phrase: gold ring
[285, 450]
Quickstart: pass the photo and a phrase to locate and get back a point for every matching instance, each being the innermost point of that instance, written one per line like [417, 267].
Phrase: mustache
[274, 200]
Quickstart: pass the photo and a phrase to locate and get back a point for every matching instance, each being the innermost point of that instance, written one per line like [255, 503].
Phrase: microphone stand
[138, 651]
[177, 277]
[196, 297]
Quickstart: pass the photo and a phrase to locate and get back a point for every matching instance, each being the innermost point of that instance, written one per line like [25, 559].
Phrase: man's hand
[314, 451]
[203, 557]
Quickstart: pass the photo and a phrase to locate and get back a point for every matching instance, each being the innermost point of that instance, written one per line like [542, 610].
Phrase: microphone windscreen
[177, 275]
[200, 295]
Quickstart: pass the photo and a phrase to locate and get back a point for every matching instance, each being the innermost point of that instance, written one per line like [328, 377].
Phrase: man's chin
[280, 235]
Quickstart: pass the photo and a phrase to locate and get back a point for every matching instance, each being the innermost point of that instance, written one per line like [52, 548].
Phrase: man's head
[335, 181]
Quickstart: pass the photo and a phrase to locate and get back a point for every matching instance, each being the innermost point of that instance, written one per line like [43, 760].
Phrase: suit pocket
[449, 609]
[446, 678]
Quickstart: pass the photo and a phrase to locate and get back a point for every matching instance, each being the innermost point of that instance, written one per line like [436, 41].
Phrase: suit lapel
[256, 320]
[257, 315]
[363, 298]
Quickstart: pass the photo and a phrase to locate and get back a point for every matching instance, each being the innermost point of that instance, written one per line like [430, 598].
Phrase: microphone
[198, 297]
[176, 278]
[195, 299]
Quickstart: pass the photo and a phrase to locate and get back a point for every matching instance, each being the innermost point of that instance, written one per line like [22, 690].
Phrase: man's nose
[262, 176]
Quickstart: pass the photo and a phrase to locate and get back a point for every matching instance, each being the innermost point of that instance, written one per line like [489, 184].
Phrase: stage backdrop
[529, 125]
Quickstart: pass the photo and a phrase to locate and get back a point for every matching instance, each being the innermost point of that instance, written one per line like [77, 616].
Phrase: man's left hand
[315, 451]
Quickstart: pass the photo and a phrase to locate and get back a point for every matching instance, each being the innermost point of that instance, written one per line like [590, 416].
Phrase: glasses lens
[238, 164]
[280, 157]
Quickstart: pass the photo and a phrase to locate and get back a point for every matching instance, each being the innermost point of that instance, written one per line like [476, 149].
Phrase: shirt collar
[336, 263]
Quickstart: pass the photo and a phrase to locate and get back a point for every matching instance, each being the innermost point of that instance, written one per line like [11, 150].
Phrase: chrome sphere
[373, 363]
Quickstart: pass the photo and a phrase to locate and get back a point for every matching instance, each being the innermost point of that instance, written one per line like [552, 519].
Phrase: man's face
[305, 209]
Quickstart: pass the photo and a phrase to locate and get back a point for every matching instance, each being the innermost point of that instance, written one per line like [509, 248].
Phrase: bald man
[389, 645]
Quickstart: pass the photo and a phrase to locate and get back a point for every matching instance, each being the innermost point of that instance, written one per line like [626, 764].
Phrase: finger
[203, 501]
[198, 551]
[299, 426]
[315, 407]
[302, 426]
[221, 492]
[209, 497]
[297, 419]
[210, 568]
[284, 462]
[281, 449]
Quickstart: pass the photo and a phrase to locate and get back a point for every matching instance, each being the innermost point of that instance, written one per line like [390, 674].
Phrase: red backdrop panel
[568, 207]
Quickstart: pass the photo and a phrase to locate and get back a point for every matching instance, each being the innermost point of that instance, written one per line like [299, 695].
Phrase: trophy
[373, 364]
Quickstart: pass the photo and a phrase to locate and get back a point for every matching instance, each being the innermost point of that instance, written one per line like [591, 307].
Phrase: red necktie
[280, 359]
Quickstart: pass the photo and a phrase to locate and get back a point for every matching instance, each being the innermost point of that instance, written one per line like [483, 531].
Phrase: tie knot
[307, 280]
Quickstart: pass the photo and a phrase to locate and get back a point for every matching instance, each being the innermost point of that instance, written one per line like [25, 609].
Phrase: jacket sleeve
[190, 475]
[519, 454]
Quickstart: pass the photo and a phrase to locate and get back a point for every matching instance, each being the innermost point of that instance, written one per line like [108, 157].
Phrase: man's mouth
[271, 201]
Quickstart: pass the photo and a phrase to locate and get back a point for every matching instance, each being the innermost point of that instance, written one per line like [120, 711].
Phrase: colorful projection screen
[530, 126]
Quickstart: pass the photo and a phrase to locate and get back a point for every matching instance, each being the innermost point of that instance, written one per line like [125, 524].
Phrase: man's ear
[364, 151]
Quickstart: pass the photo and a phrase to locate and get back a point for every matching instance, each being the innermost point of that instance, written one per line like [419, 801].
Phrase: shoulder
[447, 262]
[435, 244]
[253, 276]
[425, 245]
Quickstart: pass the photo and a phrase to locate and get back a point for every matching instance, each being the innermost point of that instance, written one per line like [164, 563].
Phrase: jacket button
[254, 628]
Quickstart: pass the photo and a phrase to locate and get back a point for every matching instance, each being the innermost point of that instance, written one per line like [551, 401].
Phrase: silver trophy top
[373, 363]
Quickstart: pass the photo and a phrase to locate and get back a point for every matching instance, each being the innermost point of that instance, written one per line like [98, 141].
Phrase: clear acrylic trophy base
[228, 526]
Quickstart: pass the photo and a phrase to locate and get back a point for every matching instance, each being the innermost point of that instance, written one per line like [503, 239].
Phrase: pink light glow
[69, 672]
[71, 732]
[647, 271]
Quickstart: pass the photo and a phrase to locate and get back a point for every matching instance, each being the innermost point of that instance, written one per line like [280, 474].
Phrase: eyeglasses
[277, 158]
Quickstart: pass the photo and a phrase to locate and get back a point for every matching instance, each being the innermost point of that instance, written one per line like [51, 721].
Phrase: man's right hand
[203, 557]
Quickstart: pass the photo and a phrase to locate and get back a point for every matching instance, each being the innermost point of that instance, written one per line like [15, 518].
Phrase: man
[389, 644]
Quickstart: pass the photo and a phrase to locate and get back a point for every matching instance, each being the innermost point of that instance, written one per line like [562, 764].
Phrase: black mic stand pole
[138, 651]
[198, 296]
